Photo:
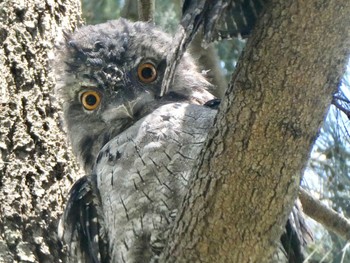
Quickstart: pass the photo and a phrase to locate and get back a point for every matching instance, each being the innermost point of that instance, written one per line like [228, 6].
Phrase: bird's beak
[125, 110]
[128, 109]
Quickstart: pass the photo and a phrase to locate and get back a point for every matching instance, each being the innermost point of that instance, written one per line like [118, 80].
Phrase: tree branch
[146, 10]
[324, 215]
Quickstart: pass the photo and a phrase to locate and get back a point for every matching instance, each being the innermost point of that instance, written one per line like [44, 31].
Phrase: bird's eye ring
[90, 99]
[147, 72]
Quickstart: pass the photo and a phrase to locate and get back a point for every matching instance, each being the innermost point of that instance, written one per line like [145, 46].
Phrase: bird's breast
[143, 175]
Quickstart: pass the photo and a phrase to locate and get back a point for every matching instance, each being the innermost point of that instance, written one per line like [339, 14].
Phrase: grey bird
[137, 146]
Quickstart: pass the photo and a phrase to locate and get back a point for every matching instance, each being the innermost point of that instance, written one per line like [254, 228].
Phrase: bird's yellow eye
[147, 72]
[90, 99]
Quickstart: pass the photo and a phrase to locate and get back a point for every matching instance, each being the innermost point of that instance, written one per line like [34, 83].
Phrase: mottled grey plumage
[136, 146]
[144, 173]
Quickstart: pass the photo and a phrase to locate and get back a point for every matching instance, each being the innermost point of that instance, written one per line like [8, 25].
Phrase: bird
[137, 148]
[136, 143]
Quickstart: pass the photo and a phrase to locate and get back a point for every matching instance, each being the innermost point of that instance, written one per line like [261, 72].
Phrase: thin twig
[341, 108]
[336, 97]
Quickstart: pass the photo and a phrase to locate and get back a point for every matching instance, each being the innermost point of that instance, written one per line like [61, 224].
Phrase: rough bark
[34, 164]
[248, 175]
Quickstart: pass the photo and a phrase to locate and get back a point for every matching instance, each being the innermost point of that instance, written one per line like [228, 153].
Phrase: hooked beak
[128, 109]
[125, 110]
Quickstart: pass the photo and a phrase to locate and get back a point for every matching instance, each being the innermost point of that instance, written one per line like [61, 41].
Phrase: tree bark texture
[34, 158]
[248, 176]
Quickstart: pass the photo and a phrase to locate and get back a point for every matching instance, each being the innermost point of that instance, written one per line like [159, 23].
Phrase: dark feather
[80, 225]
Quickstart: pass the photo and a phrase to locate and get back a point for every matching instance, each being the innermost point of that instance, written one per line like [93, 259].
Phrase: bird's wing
[220, 19]
[80, 226]
[142, 175]
[236, 18]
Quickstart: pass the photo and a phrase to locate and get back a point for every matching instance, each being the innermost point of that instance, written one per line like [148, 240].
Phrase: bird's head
[110, 75]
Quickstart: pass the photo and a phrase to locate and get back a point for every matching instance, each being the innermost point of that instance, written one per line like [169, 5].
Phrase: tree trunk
[35, 166]
[247, 179]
